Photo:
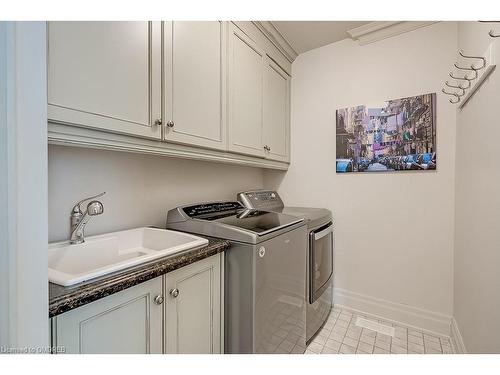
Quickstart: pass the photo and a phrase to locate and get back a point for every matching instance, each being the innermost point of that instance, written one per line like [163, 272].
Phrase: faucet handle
[76, 208]
[95, 208]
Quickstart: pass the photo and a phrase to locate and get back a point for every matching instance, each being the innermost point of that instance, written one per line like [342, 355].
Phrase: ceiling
[306, 35]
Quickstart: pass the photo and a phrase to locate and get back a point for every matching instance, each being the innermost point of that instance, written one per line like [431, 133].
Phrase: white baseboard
[456, 338]
[430, 321]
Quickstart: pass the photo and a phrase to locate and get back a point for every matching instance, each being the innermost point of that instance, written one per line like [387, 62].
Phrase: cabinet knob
[170, 124]
[174, 292]
[158, 121]
[267, 148]
[159, 299]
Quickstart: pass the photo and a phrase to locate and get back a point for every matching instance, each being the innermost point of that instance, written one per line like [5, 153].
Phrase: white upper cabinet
[246, 63]
[276, 123]
[208, 90]
[259, 101]
[105, 75]
[195, 83]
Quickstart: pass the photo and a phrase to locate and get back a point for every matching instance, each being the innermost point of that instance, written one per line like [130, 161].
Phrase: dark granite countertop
[62, 299]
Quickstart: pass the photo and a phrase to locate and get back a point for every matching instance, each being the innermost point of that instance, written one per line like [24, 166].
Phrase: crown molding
[378, 30]
[272, 33]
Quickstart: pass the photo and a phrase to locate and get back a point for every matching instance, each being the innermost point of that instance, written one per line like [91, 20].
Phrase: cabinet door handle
[170, 124]
[174, 292]
[158, 121]
[159, 299]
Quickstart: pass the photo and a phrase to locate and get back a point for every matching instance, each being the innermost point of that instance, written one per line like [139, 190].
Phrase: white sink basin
[101, 255]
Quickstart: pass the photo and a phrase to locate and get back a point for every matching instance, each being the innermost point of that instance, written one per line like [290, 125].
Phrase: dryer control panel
[261, 200]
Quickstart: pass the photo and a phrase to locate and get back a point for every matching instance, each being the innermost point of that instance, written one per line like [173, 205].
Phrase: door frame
[24, 321]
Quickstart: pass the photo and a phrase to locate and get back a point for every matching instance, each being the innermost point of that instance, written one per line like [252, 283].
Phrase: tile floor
[341, 335]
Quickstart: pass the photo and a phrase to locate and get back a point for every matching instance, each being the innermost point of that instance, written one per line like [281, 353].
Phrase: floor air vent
[375, 326]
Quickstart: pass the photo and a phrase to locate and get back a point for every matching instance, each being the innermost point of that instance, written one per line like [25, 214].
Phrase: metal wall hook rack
[464, 78]
[491, 32]
[455, 95]
[461, 53]
[466, 85]
[456, 87]
[468, 69]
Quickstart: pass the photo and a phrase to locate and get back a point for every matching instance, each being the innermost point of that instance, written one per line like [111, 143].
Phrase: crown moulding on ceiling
[365, 34]
[272, 33]
[378, 30]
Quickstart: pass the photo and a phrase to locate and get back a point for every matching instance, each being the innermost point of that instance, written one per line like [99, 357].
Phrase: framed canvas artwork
[396, 135]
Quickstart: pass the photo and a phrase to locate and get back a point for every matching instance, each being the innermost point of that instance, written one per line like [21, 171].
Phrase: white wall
[477, 235]
[139, 188]
[394, 231]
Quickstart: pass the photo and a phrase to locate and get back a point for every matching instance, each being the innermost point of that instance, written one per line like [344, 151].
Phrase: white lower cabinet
[193, 308]
[126, 322]
[179, 312]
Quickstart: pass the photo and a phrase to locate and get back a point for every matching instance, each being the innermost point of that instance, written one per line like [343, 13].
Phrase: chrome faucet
[79, 219]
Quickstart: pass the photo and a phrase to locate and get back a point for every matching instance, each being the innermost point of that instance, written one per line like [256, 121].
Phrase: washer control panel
[261, 200]
[210, 209]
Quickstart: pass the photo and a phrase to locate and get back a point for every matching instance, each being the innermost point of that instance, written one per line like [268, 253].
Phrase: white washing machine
[264, 271]
[319, 251]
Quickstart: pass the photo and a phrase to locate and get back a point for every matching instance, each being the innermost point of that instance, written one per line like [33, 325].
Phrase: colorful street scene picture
[396, 135]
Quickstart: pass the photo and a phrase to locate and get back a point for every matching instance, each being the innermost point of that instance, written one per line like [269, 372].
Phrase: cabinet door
[195, 82]
[276, 111]
[193, 316]
[126, 322]
[105, 75]
[246, 63]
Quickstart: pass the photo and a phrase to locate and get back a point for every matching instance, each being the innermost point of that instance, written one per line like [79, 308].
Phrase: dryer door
[321, 260]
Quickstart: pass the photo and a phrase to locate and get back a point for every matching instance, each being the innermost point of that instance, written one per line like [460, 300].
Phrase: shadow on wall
[390, 228]
[273, 179]
[139, 188]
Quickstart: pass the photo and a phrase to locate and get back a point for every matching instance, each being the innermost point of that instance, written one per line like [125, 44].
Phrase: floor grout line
[385, 341]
